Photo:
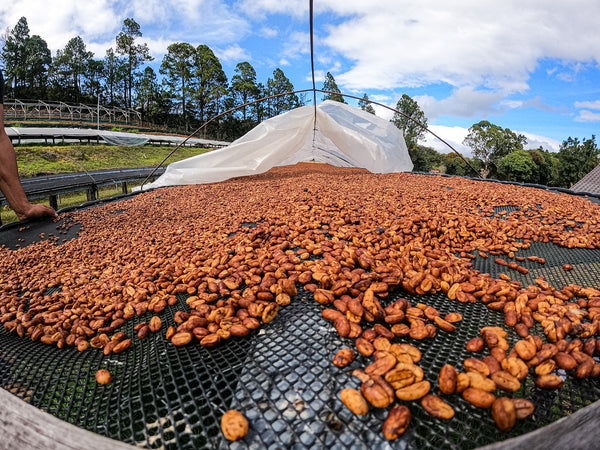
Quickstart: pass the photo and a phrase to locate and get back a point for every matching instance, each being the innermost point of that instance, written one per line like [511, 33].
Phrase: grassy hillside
[36, 160]
[43, 160]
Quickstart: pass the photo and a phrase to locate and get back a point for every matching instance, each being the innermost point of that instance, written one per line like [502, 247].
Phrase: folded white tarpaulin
[344, 136]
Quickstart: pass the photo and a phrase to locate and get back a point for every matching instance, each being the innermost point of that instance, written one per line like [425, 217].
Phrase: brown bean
[364, 347]
[505, 381]
[475, 345]
[122, 346]
[354, 401]
[377, 392]
[414, 391]
[234, 425]
[103, 376]
[447, 379]
[523, 408]
[155, 324]
[344, 357]
[504, 413]
[182, 338]
[478, 397]
[549, 381]
[396, 423]
[437, 407]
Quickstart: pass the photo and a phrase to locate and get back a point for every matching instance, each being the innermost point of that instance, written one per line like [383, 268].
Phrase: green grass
[37, 160]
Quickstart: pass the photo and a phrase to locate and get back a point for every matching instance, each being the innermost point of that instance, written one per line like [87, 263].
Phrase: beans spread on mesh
[239, 250]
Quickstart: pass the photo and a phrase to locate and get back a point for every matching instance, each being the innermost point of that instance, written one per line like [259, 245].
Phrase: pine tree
[330, 85]
[365, 105]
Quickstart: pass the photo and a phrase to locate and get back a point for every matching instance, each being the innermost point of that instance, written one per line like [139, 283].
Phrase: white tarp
[345, 136]
[38, 135]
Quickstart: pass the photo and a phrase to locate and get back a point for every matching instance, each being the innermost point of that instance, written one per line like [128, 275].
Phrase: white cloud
[452, 135]
[402, 44]
[269, 32]
[487, 52]
[296, 45]
[588, 104]
[62, 20]
[535, 141]
[463, 102]
[259, 9]
[456, 135]
[233, 53]
[587, 116]
[162, 22]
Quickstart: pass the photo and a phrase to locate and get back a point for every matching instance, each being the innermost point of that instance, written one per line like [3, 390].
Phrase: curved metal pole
[312, 63]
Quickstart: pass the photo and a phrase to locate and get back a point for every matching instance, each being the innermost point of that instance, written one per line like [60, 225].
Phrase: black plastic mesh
[281, 377]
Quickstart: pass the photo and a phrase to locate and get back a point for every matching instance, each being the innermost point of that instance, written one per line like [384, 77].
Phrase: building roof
[589, 183]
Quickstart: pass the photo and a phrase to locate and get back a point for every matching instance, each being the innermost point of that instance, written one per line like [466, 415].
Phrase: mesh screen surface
[281, 377]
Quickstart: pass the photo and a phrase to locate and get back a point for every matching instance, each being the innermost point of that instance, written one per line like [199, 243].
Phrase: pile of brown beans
[240, 249]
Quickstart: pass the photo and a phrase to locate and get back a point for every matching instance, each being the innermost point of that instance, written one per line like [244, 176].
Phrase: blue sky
[528, 65]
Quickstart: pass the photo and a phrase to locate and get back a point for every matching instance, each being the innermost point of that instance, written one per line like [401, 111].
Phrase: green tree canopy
[113, 74]
[408, 121]
[210, 82]
[280, 84]
[178, 68]
[518, 166]
[38, 61]
[576, 159]
[243, 85]
[14, 55]
[149, 93]
[330, 85]
[490, 143]
[92, 86]
[365, 105]
[135, 54]
[425, 159]
[454, 165]
[546, 171]
[70, 65]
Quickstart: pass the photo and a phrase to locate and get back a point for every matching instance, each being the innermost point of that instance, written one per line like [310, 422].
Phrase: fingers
[37, 211]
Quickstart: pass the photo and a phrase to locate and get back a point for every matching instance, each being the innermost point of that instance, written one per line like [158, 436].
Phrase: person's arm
[10, 185]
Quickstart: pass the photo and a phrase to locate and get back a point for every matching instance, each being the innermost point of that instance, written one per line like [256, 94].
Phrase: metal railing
[41, 110]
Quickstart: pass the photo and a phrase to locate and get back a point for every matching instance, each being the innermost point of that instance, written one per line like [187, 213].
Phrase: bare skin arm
[9, 180]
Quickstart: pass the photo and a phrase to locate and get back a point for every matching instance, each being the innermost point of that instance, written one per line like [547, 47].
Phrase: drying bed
[281, 376]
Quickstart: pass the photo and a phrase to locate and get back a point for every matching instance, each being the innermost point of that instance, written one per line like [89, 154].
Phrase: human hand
[36, 211]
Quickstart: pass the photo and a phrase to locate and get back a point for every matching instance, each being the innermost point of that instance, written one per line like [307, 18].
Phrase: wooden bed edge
[25, 427]
[577, 431]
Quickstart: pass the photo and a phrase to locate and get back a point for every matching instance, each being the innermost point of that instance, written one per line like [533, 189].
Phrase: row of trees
[498, 153]
[194, 88]
[193, 85]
